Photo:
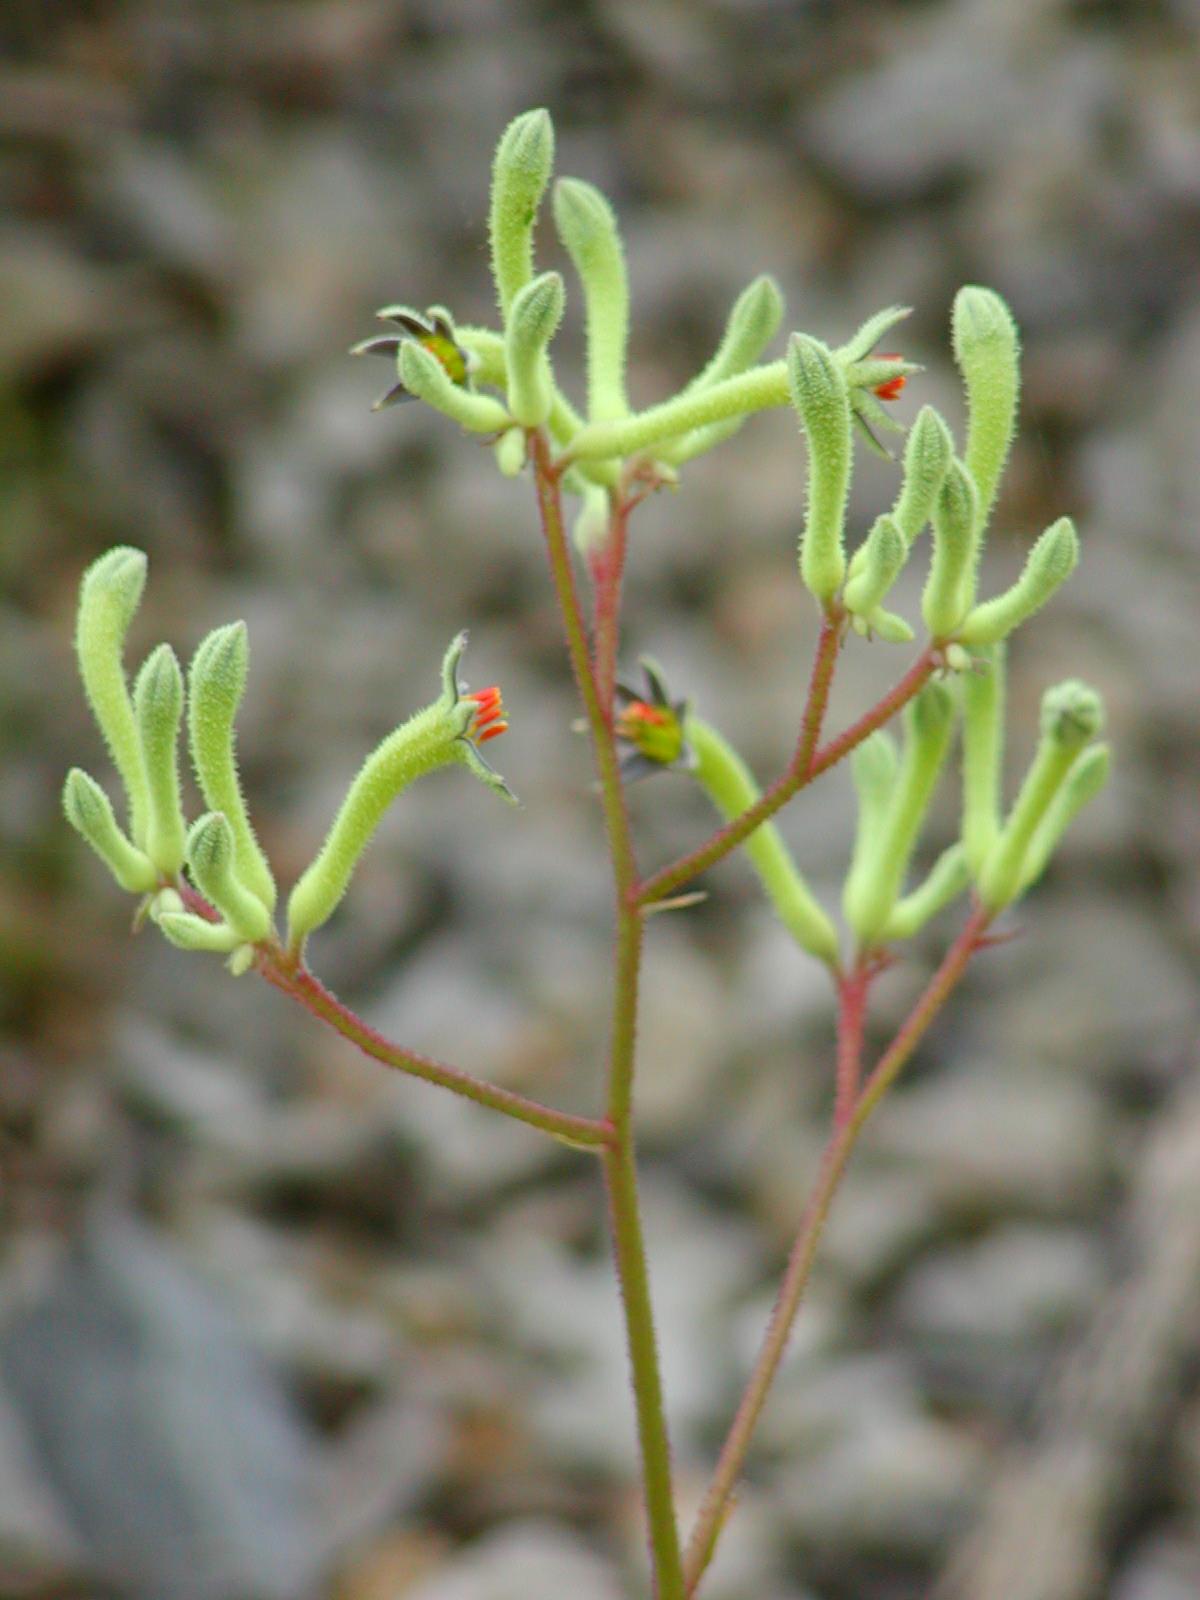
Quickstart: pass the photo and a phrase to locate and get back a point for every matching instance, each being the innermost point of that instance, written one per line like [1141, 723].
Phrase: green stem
[620, 1169]
[807, 763]
[296, 981]
[843, 1139]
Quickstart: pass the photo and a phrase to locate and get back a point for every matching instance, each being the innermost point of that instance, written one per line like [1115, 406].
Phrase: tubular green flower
[158, 710]
[423, 375]
[90, 813]
[982, 754]
[1084, 781]
[822, 401]
[520, 173]
[533, 318]
[947, 879]
[872, 893]
[588, 229]
[728, 783]
[211, 858]
[884, 553]
[109, 595]
[1048, 566]
[950, 585]
[217, 682]
[447, 731]
[987, 349]
[1072, 715]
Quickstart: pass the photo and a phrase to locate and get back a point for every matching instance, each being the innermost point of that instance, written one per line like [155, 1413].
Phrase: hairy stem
[841, 1144]
[301, 985]
[620, 1167]
[853, 989]
[805, 765]
[608, 571]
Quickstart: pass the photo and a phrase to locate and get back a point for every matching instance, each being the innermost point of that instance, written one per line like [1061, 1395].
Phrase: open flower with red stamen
[434, 331]
[488, 722]
[649, 726]
[872, 378]
[890, 388]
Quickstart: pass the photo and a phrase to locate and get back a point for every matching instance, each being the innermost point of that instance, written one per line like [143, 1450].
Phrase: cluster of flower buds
[209, 887]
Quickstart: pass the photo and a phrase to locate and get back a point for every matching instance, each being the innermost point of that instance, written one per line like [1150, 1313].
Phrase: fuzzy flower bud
[533, 318]
[1072, 715]
[158, 710]
[819, 394]
[884, 554]
[1048, 566]
[987, 349]
[588, 229]
[982, 754]
[212, 861]
[216, 683]
[108, 597]
[90, 813]
[521, 170]
[948, 589]
[927, 458]
[423, 375]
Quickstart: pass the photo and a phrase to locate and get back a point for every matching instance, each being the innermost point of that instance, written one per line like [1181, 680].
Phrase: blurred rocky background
[275, 1325]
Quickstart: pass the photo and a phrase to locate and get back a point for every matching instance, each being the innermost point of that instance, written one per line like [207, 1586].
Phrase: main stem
[620, 1167]
[795, 1279]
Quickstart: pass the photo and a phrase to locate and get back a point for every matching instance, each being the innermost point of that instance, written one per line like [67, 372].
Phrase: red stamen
[639, 711]
[496, 729]
[891, 387]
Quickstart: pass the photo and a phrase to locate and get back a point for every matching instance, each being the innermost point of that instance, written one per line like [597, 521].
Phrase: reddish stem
[607, 567]
[853, 990]
[806, 764]
[302, 985]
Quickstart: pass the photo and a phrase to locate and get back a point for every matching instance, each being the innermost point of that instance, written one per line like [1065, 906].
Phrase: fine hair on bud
[821, 399]
[987, 349]
[210, 853]
[109, 596]
[158, 709]
[949, 588]
[89, 811]
[532, 322]
[520, 173]
[1048, 566]
[588, 229]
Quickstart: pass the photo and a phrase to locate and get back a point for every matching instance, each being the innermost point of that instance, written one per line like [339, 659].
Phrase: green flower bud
[588, 229]
[510, 453]
[987, 349]
[90, 813]
[520, 173]
[872, 891]
[885, 625]
[212, 860]
[753, 323]
[447, 731]
[861, 343]
[158, 710]
[982, 754]
[1084, 781]
[108, 597]
[949, 588]
[1072, 715]
[216, 683]
[423, 375]
[189, 932]
[947, 879]
[1049, 564]
[532, 320]
[884, 553]
[727, 401]
[927, 458]
[728, 783]
[819, 395]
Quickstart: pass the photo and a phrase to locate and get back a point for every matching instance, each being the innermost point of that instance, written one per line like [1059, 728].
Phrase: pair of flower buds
[222, 855]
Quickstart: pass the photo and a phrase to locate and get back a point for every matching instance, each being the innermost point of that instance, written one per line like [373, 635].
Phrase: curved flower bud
[872, 893]
[510, 451]
[927, 458]
[874, 766]
[216, 683]
[947, 879]
[820, 397]
[591, 527]
[90, 813]
[186, 931]
[423, 375]
[212, 860]
[949, 588]
[1072, 715]
[588, 229]
[982, 754]
[1047, 567]
[158, 710]
[884, 554]
[987, 349]
[520, 172]
[109, 595]
[1083, 783]
[447, 731]
[533, 318]
[730, 786]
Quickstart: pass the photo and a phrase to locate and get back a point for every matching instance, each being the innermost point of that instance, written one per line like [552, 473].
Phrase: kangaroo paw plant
[207, 886]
